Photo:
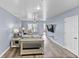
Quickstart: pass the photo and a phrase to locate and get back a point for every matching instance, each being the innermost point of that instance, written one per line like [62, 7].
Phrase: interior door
[71, 34]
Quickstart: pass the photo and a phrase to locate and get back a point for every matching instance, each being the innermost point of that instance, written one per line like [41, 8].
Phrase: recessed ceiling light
[38, 8]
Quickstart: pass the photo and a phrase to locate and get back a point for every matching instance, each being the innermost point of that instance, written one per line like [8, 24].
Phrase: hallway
[51, 50]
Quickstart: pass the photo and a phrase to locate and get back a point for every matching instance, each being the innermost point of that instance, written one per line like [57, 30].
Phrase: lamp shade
[15, 30]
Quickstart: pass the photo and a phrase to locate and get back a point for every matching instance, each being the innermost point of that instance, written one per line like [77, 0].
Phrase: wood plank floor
[51, 50]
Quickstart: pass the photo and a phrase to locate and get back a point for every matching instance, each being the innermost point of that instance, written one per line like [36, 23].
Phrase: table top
[31, 39]
[16, 38]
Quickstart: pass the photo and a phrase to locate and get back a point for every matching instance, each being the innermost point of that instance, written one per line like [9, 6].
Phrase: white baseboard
[72, 51]
[62, 46]
[57, 43]
[4, 51]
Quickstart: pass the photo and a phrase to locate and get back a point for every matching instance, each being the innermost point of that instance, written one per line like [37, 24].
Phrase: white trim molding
[4, 52]
[62, 46]
[71, 51]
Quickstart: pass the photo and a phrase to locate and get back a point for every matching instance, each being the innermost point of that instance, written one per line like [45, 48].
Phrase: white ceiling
[56, 7]
[24, 8]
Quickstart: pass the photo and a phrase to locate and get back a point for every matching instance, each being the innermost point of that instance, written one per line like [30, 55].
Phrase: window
[32, 27]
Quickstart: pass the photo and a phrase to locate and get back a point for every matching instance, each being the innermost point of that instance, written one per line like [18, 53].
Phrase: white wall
[7, 21]
[40, 27]
[59, 21]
